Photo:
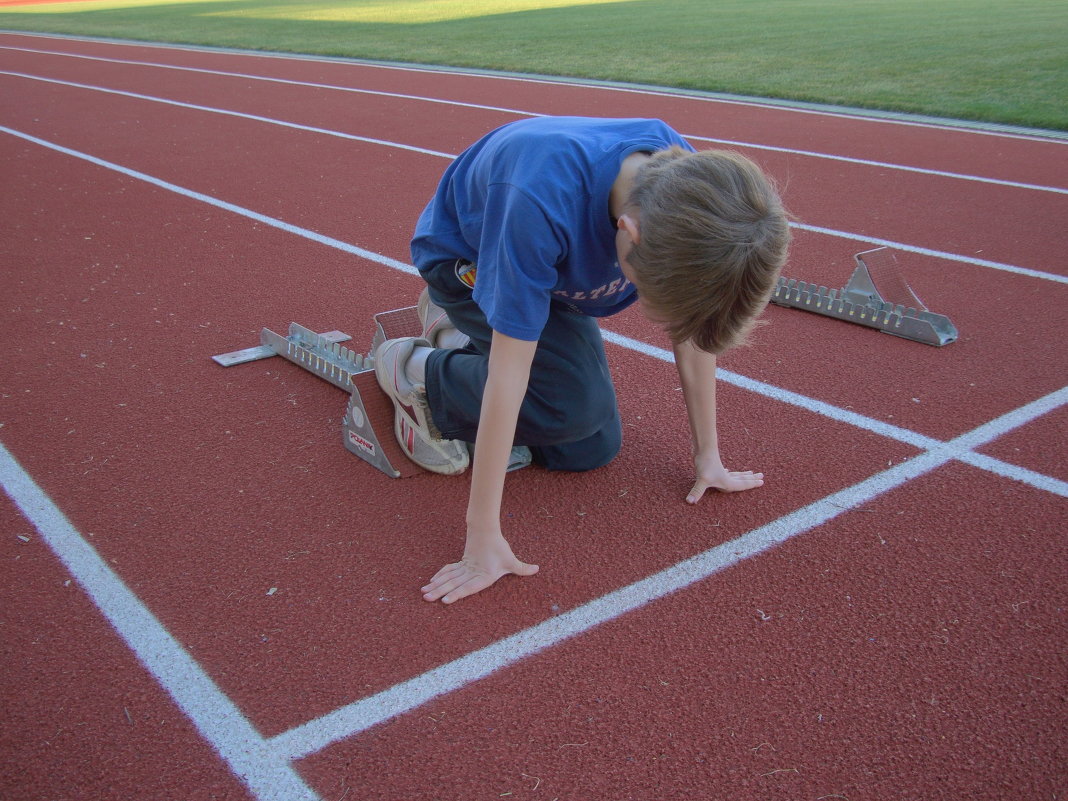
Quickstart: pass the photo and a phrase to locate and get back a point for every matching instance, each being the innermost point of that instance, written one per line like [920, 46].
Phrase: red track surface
[905, 640]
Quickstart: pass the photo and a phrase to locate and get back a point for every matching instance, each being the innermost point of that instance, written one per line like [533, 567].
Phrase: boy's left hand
[711, 474]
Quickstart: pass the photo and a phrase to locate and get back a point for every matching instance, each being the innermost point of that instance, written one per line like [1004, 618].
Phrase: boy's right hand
[482, 565]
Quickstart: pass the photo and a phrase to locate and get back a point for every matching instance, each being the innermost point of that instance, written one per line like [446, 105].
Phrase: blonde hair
[713, 236]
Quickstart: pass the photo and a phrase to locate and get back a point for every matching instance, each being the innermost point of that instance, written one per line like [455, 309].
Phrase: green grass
[1000, 61]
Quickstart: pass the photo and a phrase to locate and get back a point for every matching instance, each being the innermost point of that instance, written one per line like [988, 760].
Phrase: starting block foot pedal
[367, 427]
[369, 414]
[396, 324]
[876, 296]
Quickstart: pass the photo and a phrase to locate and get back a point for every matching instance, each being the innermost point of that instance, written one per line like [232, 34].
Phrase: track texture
[205, 596]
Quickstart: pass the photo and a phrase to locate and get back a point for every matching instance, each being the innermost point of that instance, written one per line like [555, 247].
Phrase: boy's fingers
[436, 590]
[461, 581]
[734, 482]
[470, 586]
[748, 479]
[698, 490]
[445, 573]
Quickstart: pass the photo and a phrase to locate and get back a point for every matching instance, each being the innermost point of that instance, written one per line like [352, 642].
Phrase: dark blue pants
[569, 418]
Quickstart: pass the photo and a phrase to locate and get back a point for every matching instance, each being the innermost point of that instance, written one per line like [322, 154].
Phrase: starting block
[369, 412]
[876, 296]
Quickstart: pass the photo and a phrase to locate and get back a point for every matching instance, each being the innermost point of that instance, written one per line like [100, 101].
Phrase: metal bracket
[265, 351]
[367, 427]
[876, 296]
[317, 354]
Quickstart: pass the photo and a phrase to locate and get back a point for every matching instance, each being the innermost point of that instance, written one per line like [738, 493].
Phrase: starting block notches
[367, 427]
[875, 296]
[265, 352]
[317, 354]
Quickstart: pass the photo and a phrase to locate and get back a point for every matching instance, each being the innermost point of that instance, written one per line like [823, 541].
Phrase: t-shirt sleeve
[519, 248]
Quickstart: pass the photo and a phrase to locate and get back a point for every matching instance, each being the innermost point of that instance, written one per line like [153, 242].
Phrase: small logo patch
[362, 443]
[466, 272]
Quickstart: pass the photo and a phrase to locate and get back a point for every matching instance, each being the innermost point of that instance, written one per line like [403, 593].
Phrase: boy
[535, 231]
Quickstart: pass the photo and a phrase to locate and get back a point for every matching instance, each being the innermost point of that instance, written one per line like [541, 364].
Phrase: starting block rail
[317, 354]
[265, 352]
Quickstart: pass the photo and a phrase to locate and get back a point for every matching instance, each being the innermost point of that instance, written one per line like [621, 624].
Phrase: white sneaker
[413, 425]
[438, 329]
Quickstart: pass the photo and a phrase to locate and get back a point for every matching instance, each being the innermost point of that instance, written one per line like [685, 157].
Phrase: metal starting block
[369, 411]
[876, 296]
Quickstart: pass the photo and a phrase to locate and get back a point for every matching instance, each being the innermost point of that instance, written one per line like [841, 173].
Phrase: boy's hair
[713, 235]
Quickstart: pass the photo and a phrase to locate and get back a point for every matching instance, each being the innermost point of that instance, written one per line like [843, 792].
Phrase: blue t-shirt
[528, 203]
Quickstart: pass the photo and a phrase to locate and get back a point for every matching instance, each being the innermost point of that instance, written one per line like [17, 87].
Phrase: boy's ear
[629, 224]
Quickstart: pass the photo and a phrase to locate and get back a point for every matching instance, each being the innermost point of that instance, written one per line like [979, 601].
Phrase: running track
[205, 596]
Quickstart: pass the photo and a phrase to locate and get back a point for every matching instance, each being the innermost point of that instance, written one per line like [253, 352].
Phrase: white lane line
[354, 718]
[795, 106]
[346, 721]
[885, 165]
[758, 387]
[521, 112]
[215, 716]
[306, 233]
[230, 113]
[938, 254]
[1016, 473]
[282, 81]
[887, 430]
[994, 265]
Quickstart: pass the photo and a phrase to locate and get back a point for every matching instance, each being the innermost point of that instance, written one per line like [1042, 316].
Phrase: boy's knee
[586, 454]
[582, 418]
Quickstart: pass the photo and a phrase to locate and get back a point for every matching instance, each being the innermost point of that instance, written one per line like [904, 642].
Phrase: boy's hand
[711, 474]
[481, 566]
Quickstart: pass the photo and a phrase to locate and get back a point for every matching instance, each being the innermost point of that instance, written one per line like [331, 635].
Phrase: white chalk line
[352, 719]
[938, 254]
[505, 110]
[215, 716]
[231, 113]
[883, 165]
[306, 233]
[849, 417]
[251, 763]
[722, 98]
[904, 247]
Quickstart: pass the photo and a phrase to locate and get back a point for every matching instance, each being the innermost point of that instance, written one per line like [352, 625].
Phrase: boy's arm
[487, 555]
[697, 371]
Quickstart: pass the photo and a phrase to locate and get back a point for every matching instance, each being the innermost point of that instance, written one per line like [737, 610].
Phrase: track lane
[242, 457]
[82, 717]
[218, 163]
[877, 388]
[862, 660]
[1034, 160]
[177, 424]
[927, 211]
